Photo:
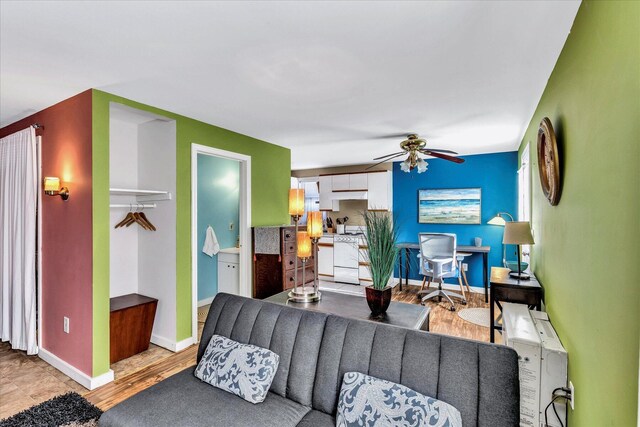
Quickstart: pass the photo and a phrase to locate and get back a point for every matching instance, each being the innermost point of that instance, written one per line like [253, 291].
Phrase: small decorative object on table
[381, 236]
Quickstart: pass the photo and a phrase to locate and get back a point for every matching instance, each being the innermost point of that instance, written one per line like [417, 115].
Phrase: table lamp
[296, 211]
[518, 233]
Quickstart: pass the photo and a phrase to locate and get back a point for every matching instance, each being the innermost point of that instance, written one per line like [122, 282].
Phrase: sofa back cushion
[316, 350]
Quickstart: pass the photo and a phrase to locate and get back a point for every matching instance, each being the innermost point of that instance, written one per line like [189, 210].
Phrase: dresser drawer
[289, 234]
[308, 276]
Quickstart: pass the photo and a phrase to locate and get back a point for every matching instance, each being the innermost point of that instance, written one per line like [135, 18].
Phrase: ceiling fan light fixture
[405, 166]
[421, 164]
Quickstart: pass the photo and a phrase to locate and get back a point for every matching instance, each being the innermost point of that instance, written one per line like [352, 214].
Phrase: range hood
[349, 195]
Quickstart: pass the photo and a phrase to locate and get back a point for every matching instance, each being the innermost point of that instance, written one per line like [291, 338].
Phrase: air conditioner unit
[542, 361]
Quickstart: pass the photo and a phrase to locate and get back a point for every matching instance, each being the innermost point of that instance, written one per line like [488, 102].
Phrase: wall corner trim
[171, 344]
[72, 372]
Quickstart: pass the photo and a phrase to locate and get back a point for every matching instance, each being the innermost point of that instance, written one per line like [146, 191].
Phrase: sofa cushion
[366, 400]
[317, 419]
[242, 369]
[184, 400]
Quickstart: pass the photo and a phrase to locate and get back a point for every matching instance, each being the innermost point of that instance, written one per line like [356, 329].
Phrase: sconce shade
[296, 202]
[517, 233]
[314, 224]
[51, 185]
[304, 244]
[497, 220]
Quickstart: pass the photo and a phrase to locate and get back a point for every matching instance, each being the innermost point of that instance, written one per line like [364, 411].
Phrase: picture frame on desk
[450, 206]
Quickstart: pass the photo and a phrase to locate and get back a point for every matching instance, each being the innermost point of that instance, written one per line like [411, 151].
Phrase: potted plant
[381, 239]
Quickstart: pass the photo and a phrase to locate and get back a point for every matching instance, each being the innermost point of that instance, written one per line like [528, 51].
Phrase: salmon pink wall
[66, 229]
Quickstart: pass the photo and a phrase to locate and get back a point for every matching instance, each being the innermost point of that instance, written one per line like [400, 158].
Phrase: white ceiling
[323, 78]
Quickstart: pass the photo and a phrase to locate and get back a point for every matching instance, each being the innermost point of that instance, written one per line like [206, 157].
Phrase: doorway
[220, 226]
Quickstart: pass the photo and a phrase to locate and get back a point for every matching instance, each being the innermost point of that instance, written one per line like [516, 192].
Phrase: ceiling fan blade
[389, 155]
[386, 160]
[439, 150]
[443, 156]
[402, 135]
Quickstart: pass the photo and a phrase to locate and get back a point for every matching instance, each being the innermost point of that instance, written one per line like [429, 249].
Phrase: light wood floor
[24, 373]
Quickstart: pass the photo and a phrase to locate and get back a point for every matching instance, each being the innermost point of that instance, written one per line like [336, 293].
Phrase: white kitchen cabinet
[379, 187]
[325, 258]
[340, 182]
[358, 181]
[228, 272]
[326, 201]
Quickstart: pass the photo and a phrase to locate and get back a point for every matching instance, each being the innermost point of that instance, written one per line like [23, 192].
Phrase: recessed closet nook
[142, 181]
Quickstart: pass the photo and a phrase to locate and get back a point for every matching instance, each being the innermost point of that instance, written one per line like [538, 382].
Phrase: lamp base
[521, 276]
[305, 294]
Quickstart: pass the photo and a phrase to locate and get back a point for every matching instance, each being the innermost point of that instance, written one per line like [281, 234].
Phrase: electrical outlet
[465, 266]
[230, 226]
[66, 325]
[573, 395]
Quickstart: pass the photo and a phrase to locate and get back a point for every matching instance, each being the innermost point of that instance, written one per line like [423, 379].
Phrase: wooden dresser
[130, 323]
[274, 272]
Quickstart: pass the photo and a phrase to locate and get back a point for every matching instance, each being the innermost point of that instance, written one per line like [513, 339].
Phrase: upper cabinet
[374, 186]
[379, 191]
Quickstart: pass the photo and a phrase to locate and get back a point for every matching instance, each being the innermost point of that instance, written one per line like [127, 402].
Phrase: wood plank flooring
[137, 376]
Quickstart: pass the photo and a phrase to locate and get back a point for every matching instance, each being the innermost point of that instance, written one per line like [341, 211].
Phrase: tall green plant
[381, 236]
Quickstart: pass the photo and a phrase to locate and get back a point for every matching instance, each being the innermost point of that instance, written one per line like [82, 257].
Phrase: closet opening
[142, 224]
[221, 233]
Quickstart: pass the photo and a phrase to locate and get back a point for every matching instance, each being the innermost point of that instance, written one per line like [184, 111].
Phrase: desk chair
[438, 261]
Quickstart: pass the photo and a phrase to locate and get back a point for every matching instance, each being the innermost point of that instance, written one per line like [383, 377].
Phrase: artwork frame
[450, 206]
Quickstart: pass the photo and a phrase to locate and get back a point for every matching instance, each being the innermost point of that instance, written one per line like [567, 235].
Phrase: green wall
[270, 180]
[586, 251]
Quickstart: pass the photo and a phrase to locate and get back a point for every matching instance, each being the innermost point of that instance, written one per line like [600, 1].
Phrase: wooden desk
[412, 316]
[405, 247]
[130, 323]
[504, 288]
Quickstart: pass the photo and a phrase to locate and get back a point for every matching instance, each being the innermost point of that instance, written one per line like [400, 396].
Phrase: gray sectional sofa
[316, 349]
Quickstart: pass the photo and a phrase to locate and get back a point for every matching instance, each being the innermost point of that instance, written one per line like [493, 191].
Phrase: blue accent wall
[218, 205]
[496, 174]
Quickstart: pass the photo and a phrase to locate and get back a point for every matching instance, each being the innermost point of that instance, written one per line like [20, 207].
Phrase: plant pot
[378, 300]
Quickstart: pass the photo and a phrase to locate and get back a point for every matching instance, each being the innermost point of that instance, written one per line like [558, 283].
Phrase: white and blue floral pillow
[242, 369]
[372, 402]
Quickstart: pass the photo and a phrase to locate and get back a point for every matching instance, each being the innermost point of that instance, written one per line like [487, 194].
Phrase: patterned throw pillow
[242, 369]
[372, 402]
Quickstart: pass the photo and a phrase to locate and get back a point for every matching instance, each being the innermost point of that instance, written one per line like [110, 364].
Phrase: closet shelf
[141, 195]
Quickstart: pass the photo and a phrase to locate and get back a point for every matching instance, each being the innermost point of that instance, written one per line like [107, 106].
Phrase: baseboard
[205, 301]
[449, 286]
[171, 344]
[74, 373]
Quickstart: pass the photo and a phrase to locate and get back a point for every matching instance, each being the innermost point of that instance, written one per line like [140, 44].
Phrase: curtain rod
[37, 126]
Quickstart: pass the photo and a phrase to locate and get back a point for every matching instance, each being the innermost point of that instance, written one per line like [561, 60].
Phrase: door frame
[244, 230]
[39, 242]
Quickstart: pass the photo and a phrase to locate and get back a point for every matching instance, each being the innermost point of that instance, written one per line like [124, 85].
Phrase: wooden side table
[131, 323]
[507, 289]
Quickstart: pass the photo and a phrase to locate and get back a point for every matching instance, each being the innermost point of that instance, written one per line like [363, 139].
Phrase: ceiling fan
[413, 146]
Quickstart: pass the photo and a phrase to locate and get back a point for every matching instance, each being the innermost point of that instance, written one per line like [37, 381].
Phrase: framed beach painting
[449, 206]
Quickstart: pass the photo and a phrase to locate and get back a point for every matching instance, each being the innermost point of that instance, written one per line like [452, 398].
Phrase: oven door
[346, 275]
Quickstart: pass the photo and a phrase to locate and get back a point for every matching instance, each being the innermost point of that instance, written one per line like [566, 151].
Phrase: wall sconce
[52, 187]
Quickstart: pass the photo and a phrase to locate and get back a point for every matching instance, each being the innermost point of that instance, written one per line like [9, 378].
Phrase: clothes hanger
[139, 220]
[127, 219]
[146, 220]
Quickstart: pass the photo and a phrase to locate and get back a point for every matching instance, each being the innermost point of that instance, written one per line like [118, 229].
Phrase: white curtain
[18, 198]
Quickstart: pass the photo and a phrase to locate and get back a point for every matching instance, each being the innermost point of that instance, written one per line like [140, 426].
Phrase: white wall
[157, 250]
[123, 166]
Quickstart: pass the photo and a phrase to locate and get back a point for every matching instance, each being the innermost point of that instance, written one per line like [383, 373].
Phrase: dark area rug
[67, 409]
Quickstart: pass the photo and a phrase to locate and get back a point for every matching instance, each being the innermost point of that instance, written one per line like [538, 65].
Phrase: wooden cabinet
[130, 325]
[229, 273]
[379, 195]
[275, 272]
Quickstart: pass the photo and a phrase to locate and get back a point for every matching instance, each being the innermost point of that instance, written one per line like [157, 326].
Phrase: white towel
[211, 245]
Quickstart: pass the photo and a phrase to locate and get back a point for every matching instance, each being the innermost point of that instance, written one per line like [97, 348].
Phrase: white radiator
[542, 360]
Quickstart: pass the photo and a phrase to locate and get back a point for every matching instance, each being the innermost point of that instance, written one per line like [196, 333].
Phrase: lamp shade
[304, 244]
[517, 233]
[314, 224]
[497, 220]
[296, 202]
[51, 184]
